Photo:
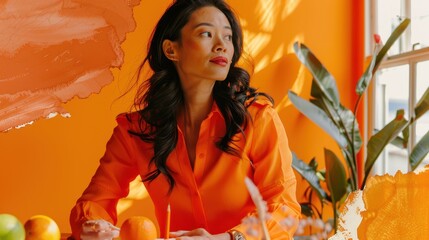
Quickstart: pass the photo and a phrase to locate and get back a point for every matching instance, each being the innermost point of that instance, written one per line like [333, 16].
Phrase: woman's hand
[198, 234]
[98, 230]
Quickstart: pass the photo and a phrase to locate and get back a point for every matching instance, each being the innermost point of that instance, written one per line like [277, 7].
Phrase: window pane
[422, 83]
[420, 23]
[392, 94]
[387, 19]
[396, 84]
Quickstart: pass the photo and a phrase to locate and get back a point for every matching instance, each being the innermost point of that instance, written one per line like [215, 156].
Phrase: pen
[167, 224]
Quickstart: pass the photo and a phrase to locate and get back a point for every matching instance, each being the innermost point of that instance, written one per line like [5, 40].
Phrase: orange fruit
[138, 228]
[41, 227]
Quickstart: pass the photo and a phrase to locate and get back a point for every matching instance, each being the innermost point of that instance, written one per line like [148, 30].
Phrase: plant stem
[363, 182]
[352, 169]
[335, 215]
[353, 147]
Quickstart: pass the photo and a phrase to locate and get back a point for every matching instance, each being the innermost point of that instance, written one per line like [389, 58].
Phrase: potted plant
[325, 109]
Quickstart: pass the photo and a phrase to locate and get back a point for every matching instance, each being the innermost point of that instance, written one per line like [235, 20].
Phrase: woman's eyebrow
[209, 25]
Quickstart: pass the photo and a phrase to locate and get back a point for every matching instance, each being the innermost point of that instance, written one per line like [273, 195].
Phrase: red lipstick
[222, 61]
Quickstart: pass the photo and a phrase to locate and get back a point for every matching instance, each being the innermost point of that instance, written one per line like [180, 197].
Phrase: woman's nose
[220, 49]
[219, 45]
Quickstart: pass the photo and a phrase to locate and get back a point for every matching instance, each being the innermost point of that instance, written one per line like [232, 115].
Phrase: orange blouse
[213, 194]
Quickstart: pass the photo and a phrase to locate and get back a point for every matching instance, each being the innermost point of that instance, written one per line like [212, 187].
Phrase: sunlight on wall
[297, 87]
[269, 13]
[290, 7]
[266, 12]
[255, 41]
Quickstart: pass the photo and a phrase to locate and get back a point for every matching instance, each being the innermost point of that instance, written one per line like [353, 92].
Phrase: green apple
[11, 228]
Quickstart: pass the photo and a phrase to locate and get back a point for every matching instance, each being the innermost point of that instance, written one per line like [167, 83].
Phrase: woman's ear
[169, 49]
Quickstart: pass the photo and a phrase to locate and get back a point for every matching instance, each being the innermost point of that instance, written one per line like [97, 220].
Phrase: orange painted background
[46, 166]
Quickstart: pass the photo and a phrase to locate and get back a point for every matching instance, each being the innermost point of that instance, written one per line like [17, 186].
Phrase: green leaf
[398, 142]
[309, 174]
[336, 180]
[378, 142]
[419, 152]
[322, 77]
[313, 164]
[367, 75]
[335, 176]
[343, 118]
[319, 117]
[406, 135]
[423, 104]
[377, 58]
[316, 92]
[392, 39]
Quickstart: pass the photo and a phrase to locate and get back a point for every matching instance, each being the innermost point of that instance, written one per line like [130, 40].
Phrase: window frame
[410, 58]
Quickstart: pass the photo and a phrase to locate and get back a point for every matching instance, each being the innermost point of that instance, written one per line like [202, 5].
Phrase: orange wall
[46, 166]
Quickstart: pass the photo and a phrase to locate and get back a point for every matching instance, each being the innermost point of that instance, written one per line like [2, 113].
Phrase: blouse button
[201, 155]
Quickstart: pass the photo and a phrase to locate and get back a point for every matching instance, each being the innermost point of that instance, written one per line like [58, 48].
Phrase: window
[403, 77]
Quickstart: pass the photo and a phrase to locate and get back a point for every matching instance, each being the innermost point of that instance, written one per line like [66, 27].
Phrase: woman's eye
[228, 37]
[206, 34]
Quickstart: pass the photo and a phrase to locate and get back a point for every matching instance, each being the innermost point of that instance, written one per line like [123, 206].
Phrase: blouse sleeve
[273, 173]
[109, 183]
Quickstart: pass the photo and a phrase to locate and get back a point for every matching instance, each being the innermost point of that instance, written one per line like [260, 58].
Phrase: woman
[200, 131]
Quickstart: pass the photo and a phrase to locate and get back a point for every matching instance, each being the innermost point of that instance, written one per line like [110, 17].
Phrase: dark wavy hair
[161, 96]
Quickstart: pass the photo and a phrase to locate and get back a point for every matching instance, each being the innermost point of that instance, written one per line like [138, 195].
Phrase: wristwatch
[236, 235]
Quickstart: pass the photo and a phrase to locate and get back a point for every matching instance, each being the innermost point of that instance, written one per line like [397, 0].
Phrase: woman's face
[206, 48]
